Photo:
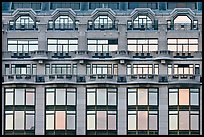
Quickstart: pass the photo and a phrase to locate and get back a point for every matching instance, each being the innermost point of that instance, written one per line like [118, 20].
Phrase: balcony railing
[21, 78]
[184, 78]
[142, 78]
[101, 78]
[60, 78]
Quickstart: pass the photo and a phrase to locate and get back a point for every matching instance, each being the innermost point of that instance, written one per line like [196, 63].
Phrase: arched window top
[64, 19]
[182, 19]
[103, 22]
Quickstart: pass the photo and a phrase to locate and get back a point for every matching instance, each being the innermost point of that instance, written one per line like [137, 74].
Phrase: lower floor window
[19, 121]
[101, 121]
[64, 121]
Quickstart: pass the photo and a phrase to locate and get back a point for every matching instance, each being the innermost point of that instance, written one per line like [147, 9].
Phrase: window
[103, 22]
[103, 45]
[19, 69]
[182, 23]
[184, 111]
[22, 45]
[60, 111]
[101, 111]
[172, 5]
[33, 5]
[23, 23]
[112, 5]
[143, 45]
[152, 5]
[62, 23]
[111, 69]
[19, 111]
[136, 69]
[182, 45]
[142, 111]
[72, 5]
[69, 69]
[182, 69]
[142, 22]
[62, 45]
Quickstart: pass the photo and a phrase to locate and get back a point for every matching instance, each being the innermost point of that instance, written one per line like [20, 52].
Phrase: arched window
[182, 22]
[142, 22]
[64, 22]
[103, 22]
[25, 22]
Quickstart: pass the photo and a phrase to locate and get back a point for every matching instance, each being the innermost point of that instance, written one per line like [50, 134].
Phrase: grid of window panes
[21, 69]
[142, 111]
[62, 45]
[183, 69]
[113, 6]
[102, 69]
[72, 5]
[22, 45]
[33, 5]
[142, 22]
[191, 5]
[19, 111]
[182, 23]
[139, 69]
[103, 45]
[23, 23]
[151, 5]
[142, 45]
[60, 111]
[64, 69]
[103, 22]
[62, 22]
[101, 111]
[184, 111]
[182, 45]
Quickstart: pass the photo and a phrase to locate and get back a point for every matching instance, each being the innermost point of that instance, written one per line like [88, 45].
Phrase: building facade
[101, 68]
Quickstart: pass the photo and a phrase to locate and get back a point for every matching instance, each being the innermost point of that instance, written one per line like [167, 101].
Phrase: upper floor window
[142, 45]
[103, 69]
[33, 5]
[172, 5]
[19, 69]
[23, 23]
[182, 45]
[142, 22]
[102, 23]
[152, 5]
[103, 45]
[183, 69]
[62, 45]
[137, 69]
[112, 5]
[63, 23]
[72, 5]
[69, 69]
[21, 45]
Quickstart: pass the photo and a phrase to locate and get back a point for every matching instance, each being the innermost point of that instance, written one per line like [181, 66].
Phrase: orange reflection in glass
[60, 119]
[183, 96]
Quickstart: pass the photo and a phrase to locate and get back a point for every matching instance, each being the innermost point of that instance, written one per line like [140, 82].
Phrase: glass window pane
[9, 99]
[60, 96]
[30, 98]
[50, 99]
[183, 96]
[152, 98]
[60, 120]
[50, 122]
[173, 122]
[73, 47]
[19, 120]
[9, 122]
[142, 120]
[91, 122]
[194, 99]
[19, 96]
[71, 122]
[30, 122]
[101, 120]
[111, 122]
[90, 98]
[71, 97]
[52, 48]
[131, 122]
[153, 122]
[183, 120]
[194, 122]
[142, 96]
[101, 97]
[131, 98]
[111, 98]
[173, 98]
[131, 47]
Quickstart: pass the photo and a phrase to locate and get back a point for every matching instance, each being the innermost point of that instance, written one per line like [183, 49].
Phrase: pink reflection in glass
[183, 96]
[184, 120]
[60, 120]
[142, 120]
[111, 122]
[101, 120]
